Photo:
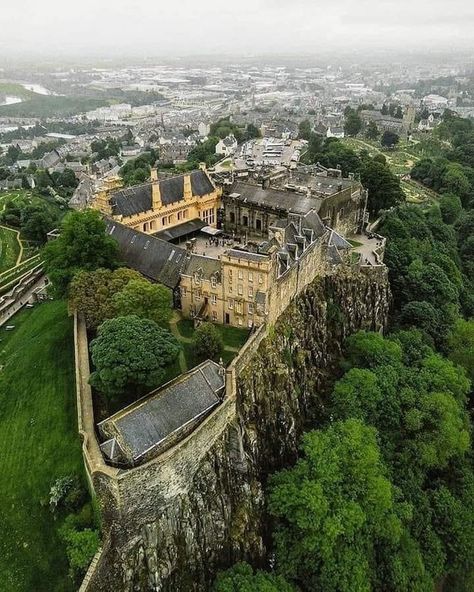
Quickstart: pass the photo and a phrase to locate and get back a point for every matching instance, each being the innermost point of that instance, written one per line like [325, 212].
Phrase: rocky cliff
[172, 524]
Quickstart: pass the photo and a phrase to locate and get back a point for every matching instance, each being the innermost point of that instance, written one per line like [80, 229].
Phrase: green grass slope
[38, 443]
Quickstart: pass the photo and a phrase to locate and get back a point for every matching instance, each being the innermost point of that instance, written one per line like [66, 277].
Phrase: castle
[180, 472]
[226, 255]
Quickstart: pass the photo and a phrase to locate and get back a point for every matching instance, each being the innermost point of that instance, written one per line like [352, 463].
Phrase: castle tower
[155, 190]
[409, 120]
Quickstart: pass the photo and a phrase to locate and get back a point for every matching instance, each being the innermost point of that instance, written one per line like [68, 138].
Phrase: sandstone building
[163, 204]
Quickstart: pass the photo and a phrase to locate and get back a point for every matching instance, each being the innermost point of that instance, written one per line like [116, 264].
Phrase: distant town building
[227, 146]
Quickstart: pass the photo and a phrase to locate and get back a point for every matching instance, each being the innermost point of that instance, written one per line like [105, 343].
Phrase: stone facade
[162, 203]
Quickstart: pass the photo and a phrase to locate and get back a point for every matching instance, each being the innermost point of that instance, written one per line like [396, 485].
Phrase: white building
[335, 132]
[227, 146]
[204, 129]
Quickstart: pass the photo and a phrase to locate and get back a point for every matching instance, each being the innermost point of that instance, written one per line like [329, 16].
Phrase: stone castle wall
[172, 522]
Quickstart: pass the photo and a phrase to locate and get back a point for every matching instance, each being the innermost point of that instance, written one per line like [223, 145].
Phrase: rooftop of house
[138, 199]
[153, 257]
[148, 424]
[276, 199]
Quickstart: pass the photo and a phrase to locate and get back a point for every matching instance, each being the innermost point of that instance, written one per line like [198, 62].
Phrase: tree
[130, 356]
[242, 578]
[372, 131]
[91, 293]
[207, 341]
[461, 346]
[356, 394]
[383, 186]
[304, 129]
[389, 139]
[82, 245]
[146, 300]
[352, 123]
[334, 509]
[451, 208]
[81, 546]
[366, 349]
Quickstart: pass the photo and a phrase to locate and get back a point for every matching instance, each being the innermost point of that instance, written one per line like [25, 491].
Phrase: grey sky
[166, 27]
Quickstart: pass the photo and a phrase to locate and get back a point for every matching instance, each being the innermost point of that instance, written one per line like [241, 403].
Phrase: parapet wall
[170, 523]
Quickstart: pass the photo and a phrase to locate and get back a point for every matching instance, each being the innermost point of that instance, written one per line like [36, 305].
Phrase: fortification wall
[172, 522]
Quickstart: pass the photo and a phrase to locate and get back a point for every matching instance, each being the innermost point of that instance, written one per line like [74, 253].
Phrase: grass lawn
[9, 248]
[233, 337]
[39, 443]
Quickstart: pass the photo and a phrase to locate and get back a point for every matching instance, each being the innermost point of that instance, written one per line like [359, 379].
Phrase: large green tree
[242, 578]
[91, 293]
[144, 299]
[339, 525]
[82, 245]
[130, 356]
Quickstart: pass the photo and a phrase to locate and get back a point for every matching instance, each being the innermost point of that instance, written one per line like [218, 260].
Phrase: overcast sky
[183, 27]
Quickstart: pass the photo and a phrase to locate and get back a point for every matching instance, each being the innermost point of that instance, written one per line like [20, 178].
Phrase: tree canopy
[82, 245]
[130, 356]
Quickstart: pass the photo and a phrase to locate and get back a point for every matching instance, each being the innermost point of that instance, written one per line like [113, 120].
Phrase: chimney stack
[155, 190]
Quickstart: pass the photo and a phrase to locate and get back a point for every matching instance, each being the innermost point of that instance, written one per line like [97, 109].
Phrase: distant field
[50, 106]
[39, 443]
[15, 90]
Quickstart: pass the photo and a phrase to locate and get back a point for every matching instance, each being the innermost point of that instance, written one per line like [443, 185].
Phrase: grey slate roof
[180, 230]
[205, 266]
[246, 255]
[147, 424]
[138, 199]
[276, 199]
[154, 258]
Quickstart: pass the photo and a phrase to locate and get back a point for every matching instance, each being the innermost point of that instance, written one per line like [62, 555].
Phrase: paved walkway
[366, 248]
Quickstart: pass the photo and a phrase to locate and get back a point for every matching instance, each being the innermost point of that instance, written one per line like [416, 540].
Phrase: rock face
[170, 529]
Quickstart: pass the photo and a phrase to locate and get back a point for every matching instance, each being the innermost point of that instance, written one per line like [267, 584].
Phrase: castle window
[250, 292]
[231, 303]
[240, 289]
[145, 226]
[232, 218]
[163, 221]
[214, 315]
[213, 299]
[250, 308]
[241, 274]
[260, 278]
[258, 224]
[250, 276]
[213, 281]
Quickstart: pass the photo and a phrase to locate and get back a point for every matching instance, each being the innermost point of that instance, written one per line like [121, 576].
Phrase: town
[236, 303]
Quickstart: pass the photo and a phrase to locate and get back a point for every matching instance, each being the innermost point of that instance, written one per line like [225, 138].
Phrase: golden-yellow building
[232, 290]
[162, 204]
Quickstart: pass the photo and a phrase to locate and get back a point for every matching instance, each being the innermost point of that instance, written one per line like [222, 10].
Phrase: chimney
[155, 190]
[187, 191]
